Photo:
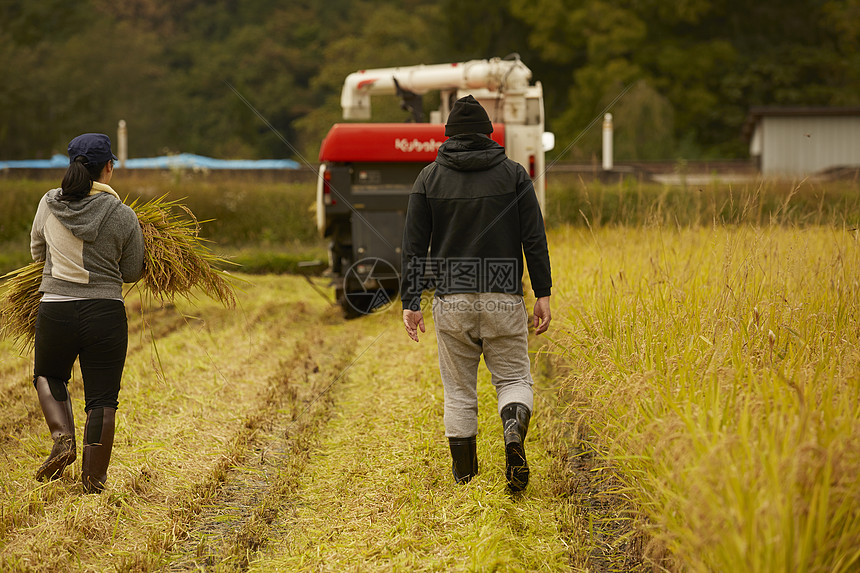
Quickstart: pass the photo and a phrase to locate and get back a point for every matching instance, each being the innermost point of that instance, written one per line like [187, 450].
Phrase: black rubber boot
[515, 421]
[57, 409]
[464, 453]
[98, 443]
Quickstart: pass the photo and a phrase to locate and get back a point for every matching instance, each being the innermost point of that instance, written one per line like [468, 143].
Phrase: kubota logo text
[416, 146]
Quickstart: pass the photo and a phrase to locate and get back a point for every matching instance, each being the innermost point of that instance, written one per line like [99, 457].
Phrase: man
[477, 212]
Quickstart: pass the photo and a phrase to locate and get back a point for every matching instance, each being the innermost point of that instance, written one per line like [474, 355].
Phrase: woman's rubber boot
[515, 421]
[98, 443]
[464, 453]
[57, 408]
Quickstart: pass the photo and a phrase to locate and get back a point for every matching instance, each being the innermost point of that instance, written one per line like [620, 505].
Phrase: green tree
[689, 70]
[391, 35]
[64, 85]
[710, 60]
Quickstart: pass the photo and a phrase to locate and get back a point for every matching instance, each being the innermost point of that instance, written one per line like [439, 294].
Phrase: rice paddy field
[697, 406]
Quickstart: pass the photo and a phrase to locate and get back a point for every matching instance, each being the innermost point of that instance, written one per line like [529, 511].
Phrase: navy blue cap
[94, 146]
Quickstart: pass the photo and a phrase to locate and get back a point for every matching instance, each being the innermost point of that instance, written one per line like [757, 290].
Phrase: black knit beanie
[467, 116]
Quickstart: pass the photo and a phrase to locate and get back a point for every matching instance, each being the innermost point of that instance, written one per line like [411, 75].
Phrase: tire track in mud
[226, 530]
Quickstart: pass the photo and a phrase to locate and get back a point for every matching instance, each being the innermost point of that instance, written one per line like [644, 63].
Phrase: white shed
[800, 141]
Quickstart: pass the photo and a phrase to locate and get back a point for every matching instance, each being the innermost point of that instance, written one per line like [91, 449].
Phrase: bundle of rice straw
[177, 264]
[19, 304]
[177, 260]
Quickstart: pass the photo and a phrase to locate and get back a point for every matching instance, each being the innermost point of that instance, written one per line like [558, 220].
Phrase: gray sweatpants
[468, 325]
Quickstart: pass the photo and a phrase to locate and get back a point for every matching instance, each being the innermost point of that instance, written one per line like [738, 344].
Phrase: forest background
[694, 68]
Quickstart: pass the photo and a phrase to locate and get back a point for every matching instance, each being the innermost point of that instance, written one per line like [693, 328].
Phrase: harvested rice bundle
[177, 263]
[177, 260]
[19, 304]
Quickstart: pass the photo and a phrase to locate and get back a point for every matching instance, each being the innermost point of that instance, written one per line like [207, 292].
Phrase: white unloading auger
[505, 76]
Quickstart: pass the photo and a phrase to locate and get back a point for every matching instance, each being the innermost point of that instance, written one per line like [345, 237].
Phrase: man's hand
[542, 315]
[414, 319]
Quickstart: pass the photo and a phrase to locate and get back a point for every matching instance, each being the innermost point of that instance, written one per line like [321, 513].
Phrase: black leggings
[96, 330]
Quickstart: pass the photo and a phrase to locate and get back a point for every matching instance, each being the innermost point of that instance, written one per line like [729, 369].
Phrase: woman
[91, 244]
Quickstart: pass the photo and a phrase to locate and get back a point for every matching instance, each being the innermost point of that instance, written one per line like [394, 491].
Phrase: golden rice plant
[715, 372]
[177, 264]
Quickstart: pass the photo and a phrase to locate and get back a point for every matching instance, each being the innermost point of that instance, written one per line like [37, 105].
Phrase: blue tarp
[182, 161]
[58, 161]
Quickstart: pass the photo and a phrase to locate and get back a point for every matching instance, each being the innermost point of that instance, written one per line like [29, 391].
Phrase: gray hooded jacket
[90, 246]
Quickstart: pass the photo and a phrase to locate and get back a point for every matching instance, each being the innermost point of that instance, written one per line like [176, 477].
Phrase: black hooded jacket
[476, 211]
